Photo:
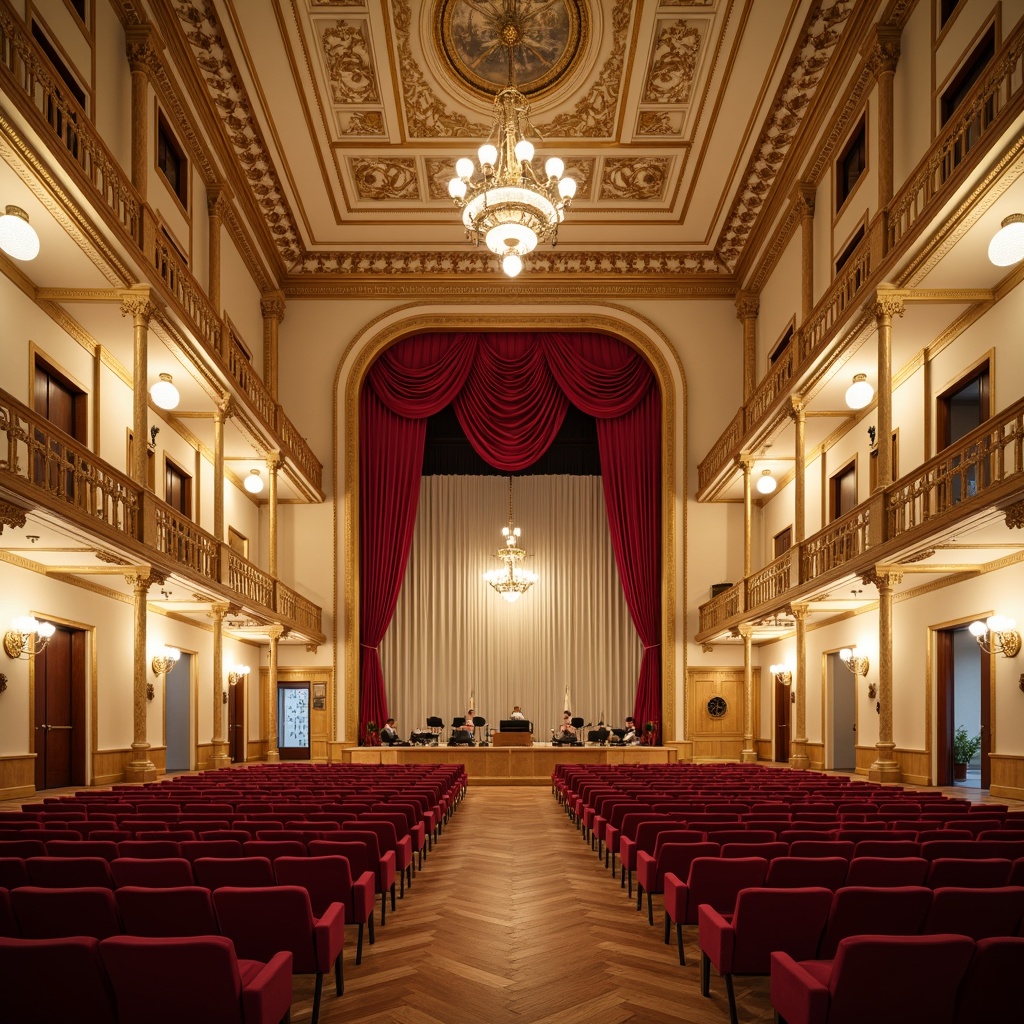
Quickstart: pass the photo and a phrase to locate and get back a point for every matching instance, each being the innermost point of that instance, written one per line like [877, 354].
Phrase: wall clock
[717, 707]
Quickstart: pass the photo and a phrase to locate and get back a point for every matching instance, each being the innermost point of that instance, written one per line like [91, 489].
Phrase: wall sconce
[997, 635]
[856, 662]
[164, 661]
[164, 394]
[783, 674]
[253, 483]
[767, 484]
[860, 392]
[223, 696]
[1007, 245]
[237, 673]
[17, 237]
[27, 636]
[872, 690]
[150, 691]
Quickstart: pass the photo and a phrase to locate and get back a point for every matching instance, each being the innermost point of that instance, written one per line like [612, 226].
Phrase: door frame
[193, 710]
[783, 706]
[297, 684]
[238, 744]
[829, 660]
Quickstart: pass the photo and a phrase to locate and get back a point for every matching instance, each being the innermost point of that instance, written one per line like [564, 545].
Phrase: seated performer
[517, 712]
[631, 735]
[389, 734]
[565, 733]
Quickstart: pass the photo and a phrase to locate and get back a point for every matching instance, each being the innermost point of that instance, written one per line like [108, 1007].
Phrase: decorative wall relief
[381, 179]
[346, 47]
[674, 62]
[636, 178]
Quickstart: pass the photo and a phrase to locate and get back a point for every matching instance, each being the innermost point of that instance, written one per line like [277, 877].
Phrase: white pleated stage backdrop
[454, 639]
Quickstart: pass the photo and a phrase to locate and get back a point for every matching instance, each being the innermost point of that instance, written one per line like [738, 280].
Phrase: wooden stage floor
[509, 766]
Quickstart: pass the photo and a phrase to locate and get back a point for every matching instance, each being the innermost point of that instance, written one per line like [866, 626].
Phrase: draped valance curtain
[510, 392]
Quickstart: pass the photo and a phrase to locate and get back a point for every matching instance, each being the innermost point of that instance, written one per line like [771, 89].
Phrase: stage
[507, 766]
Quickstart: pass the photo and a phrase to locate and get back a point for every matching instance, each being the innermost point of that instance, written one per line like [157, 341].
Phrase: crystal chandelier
[508, 206]
[511, 579]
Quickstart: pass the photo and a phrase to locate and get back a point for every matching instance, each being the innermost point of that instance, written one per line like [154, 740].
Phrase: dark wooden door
[60, 739]
[56, 399]
[293, 721]
[782, 721]
[236, 720]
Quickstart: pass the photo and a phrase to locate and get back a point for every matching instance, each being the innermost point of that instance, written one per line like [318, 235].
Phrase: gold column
[275, 633]
[142, 49]
[886, 307]
[800, 471]
[882, 52]
[217, 198]
[747, 306]
[219, 755]
[220, 414]
[798, 755]
[746, 464]
[749, 752]
[885, 768]
[803, 201]
[272, 308]
[273, 464]
[140, 768]
[137, 302]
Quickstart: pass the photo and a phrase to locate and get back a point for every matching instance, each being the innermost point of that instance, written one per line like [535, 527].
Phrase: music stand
[478, 723]
[435, 724]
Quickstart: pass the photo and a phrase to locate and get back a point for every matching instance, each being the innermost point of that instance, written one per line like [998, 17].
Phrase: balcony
[964, 490]
[109, 521]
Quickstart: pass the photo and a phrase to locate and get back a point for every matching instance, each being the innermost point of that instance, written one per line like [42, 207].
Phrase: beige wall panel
[779, 301]
[241, 298]
[17, 776]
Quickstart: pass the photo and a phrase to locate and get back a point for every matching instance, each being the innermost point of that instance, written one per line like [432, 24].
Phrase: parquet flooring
[514, 920]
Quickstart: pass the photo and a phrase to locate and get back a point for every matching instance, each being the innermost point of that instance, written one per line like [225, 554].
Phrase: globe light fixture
[856, 662]
[766, 484]
[253, 483]
[17, 237]
[164, 394]
[27, 636]
[1007, 245]
[997, 634]
[164, 661]
[860, 392]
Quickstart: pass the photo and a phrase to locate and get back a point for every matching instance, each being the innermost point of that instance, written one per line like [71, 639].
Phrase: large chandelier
[508, 206]
[511, 579]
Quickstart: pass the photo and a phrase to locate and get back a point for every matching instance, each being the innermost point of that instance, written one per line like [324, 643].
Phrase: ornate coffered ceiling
[344, 119]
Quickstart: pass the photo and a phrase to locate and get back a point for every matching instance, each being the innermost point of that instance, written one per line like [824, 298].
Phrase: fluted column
[275, 633]
[273, 465]
[882, 50]
[272, 308]
[749, 752]
[885, 767]
[217, 199]
[798, 755]
[800, 471]
[219, 754]
[222, 412]
[142, 49]
[746, 464]
[141, 767]
[137, 303]
[886, 307]
[803, 201]
[747, 306]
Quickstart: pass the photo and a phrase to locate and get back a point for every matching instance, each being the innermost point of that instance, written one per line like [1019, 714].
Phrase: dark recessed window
[783, 541]
[79, 8]
[851, 164]
[780, 349]
[946, 9]
[968, 75]
[170, 160]
[843, 258]
[843, 491]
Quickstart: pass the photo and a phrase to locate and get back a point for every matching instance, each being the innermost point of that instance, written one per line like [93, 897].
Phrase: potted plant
[649, 733]
[964, 749]
[371, 734]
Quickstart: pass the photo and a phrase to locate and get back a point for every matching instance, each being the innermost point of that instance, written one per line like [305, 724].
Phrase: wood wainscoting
[108, 766]
[815, 756]
[1007, 776]
[915, 765]
[17, 776]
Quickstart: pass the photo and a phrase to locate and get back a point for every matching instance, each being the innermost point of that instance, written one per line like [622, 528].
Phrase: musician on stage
[517, 713]
[565, 733]
[631, 735]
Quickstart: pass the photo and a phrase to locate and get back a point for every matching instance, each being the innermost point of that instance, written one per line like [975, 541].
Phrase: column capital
[218, 198]
[881, 50]
[274, 460]
[803, 198]
[276, 631]
[138, 303]
[745, 460]
[883, 576]
[11, 515]
[224, 409]
[272, 305]
[218, 611]
[142, 46]
[141, 578]
[748, 304]
[1014, 516]
[744, 630]
[799, 611]
[796, 407]
[886, 306]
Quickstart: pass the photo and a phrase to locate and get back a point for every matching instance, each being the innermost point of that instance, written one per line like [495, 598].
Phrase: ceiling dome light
[1007, 245]
[253, 483]
[860, 392]
[767, 484]
[17, 237]
[164, 393]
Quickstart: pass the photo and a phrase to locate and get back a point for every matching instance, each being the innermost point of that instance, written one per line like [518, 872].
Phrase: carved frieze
[384, 179]
[1015, 516]
[659, 122]
[349, 60]
[635, 179]
[674, 61]
[361, 122]
[11, 515]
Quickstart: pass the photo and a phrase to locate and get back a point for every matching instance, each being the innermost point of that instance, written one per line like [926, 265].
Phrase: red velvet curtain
[510, 392]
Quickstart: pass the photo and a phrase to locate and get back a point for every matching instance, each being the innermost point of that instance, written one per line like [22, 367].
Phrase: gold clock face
[717, 707]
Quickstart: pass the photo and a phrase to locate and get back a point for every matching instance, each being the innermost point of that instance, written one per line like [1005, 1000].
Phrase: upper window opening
[966, 78]
[171, 161]
[851, 164]
[780, 349]
[850, 249]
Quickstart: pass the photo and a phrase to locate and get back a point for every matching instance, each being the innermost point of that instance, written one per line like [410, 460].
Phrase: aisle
[515, 920]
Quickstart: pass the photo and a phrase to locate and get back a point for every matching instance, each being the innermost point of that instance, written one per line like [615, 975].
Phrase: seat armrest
[363, 894]
[717, 937]
[797, 996]
[268, 996]
[387, 864]
[329, 935]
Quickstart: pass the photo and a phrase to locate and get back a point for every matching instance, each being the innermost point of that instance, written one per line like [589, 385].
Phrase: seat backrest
[746, 835]
[887, 871]
[796, 872]
[716, 881]
[979, 913]
[969, 873]
[787, 920]
[387, 838]
[676, 835]
[69, 872]
[887, 848]
[273, 848]
[153, 873]
[874, 910]
[237, 872]
[192, 850]
[57, 913]
[22, 848]
[821, 848]
[148, 973]
[357, 854]
[8, 923]
[13, 872]
[990, 990]
[327, 879]
[262, 920]
[961, 848]
[183, 910]
[928, 969]
[81, 848]
[29, 992]
[768, 850]
[150, 849]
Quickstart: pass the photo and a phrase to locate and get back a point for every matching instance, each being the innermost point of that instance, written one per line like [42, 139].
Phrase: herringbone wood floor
[514, 919]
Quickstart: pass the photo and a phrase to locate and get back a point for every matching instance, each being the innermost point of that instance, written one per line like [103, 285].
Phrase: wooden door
[293, 721]
[60, 740]
[236, 721]
[783, 705]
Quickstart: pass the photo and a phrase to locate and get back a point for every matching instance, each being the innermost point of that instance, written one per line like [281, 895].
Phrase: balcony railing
[996, 99]
[26, 76]
[983, 470]
[49, 469]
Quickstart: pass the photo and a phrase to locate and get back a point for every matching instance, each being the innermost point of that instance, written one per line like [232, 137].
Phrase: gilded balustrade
[770, 583]
[722, 452]
[839, 543]
[773, 384]
[721, 608]
[250, 581]
[179, 539]
[297, 608]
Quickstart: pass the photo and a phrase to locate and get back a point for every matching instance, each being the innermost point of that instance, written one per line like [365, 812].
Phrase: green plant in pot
[964, 749]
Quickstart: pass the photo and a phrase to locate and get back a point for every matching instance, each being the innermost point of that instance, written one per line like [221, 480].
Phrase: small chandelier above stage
[508, 206]
[511, 579]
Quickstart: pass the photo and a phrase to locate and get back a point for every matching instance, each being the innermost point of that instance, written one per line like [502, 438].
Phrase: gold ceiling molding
[822, 32]
[199, 25]
[674, 62]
